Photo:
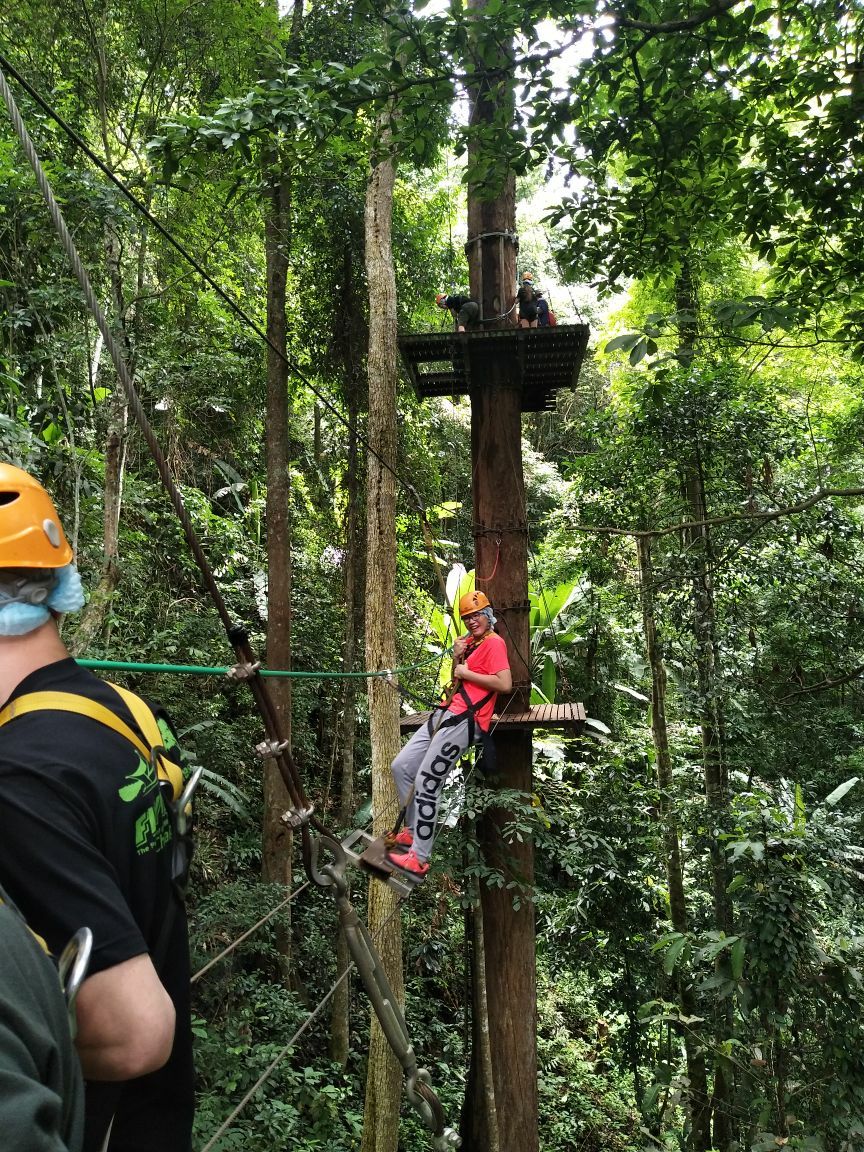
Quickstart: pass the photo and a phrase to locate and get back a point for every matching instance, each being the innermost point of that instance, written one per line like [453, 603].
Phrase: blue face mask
[26, 603]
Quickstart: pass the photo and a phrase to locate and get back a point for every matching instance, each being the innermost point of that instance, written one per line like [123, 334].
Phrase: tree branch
[694, 21]
[824, 684]
[687, 525]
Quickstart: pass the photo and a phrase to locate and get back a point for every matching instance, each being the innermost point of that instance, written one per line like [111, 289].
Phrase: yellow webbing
[83, 706]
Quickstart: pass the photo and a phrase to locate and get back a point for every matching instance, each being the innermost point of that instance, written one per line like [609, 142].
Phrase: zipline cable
[245, 936]
[378, 988]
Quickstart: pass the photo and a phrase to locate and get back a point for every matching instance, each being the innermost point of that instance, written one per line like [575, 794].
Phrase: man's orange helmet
[31, 535]
[473, 602]
[441, 299]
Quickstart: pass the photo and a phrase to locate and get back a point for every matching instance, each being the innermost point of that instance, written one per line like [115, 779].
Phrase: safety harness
[486, 760]
[148, 743]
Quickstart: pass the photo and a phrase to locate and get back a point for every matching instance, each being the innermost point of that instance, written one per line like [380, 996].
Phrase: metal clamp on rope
[297, 817]
[270, 749]
[243, 671]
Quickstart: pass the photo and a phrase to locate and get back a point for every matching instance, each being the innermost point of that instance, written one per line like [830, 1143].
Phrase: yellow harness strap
[83, 706]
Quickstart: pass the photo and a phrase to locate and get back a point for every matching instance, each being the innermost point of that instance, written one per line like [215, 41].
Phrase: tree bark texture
[501, 551]
[492, 244]
[384, 1076]
[501, 564]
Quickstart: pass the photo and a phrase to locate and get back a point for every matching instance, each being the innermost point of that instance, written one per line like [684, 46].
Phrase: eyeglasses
[474, 616]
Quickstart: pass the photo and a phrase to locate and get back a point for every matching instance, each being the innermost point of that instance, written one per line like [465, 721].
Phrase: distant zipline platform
[452, 363]
[570, 716]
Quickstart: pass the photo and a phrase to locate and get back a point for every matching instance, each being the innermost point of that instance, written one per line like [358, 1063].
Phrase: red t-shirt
[488, 658]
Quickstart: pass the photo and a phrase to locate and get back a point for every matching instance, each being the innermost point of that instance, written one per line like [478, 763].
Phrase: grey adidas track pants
[426, 761]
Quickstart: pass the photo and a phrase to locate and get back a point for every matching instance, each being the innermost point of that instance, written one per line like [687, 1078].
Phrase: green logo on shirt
[153, 826]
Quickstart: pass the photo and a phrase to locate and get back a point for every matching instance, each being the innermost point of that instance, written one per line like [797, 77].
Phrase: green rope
[201, 670]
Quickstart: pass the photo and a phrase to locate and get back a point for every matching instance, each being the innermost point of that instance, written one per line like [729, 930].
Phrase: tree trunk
[277, 838]
[700, 1108]
[479, 1125]
[499, 512]
[698, 542]
[355, 551]
[92, 620]
[384, 1076]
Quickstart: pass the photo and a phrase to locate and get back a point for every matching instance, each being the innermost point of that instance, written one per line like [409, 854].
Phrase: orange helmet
[31, 535]
[473, 602]
[441, 299]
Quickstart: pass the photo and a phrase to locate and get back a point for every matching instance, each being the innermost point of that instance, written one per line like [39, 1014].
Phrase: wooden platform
[450, 363]
[540, 716]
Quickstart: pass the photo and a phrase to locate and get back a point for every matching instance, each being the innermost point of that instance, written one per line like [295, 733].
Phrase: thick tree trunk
[384, 1077]
[499, 510]
[700, 1108]
[499, 513]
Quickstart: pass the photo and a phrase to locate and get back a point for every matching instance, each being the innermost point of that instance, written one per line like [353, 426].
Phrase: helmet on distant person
[31, 535]
[473, 602]
[527, 278]
[441, 299]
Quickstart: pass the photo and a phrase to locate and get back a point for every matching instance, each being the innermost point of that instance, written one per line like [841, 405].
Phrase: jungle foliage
[695, 510]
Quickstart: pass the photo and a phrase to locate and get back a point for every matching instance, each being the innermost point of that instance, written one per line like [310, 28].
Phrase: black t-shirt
[85, 839]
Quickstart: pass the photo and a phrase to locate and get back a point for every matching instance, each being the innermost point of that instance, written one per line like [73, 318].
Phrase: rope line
[223, 670]
[280, 1056]
[236, 943]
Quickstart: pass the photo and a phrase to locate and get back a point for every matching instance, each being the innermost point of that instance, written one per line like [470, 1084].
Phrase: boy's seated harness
[487, 754]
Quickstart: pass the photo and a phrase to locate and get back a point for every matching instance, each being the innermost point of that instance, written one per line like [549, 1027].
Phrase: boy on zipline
[481, 669]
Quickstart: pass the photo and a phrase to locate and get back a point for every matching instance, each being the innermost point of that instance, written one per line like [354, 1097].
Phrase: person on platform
[527, 302]
[87, 837]
[481, 669]
[465, 311]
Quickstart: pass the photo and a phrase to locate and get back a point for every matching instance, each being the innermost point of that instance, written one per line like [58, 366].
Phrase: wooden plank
[540, 716]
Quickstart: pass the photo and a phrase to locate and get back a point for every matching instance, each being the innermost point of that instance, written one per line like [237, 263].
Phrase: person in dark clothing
[41, 1092]
[527, 303]
[86, 837]
[542, 309]
[466, 312]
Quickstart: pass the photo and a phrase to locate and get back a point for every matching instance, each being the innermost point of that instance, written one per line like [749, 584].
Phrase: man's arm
[125, 1021]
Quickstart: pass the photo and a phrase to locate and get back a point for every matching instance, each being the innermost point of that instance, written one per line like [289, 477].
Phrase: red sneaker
[409, 863]
[401, 842]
